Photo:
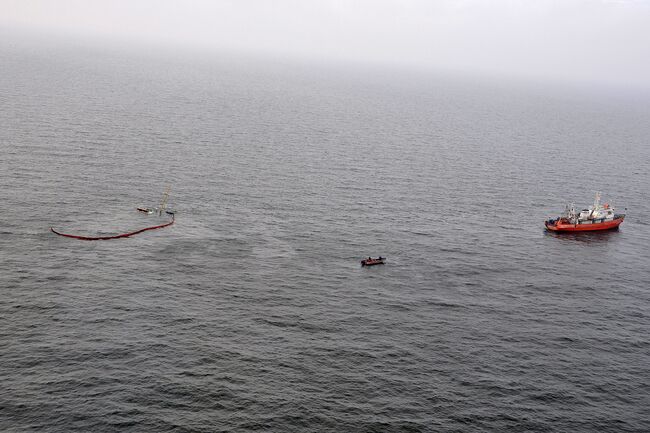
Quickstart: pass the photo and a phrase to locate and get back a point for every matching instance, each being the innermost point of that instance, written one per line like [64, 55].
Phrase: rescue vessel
[596, 217]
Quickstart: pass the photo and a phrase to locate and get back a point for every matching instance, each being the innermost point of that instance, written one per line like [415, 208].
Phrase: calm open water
[252, 313]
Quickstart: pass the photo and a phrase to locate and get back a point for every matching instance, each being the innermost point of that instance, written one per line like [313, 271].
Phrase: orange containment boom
[123, 235]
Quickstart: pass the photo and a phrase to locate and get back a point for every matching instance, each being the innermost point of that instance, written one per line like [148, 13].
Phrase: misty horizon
[588, 42]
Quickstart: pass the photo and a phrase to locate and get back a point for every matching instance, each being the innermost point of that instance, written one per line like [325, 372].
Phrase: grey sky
[578, 40]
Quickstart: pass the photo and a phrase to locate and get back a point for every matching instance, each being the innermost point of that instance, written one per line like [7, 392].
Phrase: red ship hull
[565, 226]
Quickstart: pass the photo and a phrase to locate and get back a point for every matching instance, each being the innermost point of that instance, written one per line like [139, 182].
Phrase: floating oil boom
[122, 235]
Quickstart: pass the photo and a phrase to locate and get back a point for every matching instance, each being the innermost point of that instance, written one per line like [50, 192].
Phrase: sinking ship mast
[163, 202]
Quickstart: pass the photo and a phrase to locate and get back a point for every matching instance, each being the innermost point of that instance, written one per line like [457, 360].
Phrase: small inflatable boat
[372, 262]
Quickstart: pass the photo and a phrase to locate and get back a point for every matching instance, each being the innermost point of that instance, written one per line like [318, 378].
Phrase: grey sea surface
[252, 313]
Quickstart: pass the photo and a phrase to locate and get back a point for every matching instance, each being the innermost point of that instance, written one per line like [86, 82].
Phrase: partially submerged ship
[160, 209]
[596, 217]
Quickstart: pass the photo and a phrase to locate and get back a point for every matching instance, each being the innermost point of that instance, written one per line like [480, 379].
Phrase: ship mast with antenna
[596, 207]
